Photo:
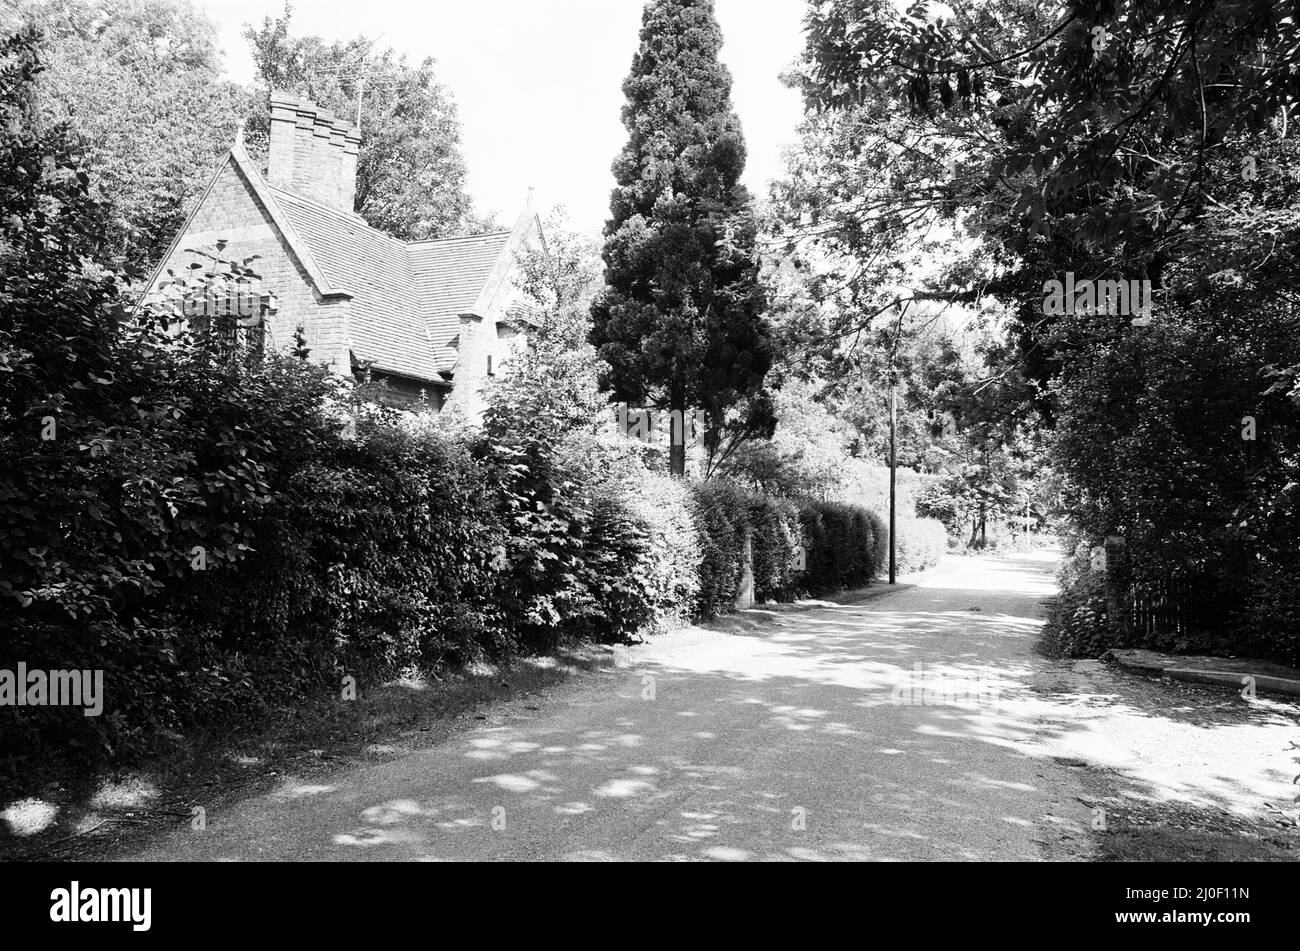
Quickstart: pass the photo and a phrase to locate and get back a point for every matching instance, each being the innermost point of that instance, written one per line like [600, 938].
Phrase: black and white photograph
[649, 431]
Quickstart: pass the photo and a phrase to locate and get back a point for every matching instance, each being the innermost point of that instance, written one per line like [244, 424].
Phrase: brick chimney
[312, 153]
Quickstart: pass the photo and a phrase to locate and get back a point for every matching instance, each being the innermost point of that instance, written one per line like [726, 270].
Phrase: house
[433, 319]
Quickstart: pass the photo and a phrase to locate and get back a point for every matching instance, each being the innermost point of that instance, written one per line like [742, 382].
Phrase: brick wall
[477, 339]
[233, 211]
[494, 336]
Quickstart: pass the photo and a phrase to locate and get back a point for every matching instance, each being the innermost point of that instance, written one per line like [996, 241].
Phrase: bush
[775, 538]
[665, 505]
[640, 561]
[342, 558]
[1268, 622]
[1193, 498]
[390, 548]
[843, 546]
[921, 543]
[880, 546]
[1077, 617]
[720, 511]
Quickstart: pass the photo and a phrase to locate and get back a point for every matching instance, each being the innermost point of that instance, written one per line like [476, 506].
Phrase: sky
[539, 82]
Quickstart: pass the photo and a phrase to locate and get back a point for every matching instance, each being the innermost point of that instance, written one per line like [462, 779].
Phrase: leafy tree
[1119, 140]
[1077, 92]
[681, 324]
[549, 386]
[1093, 137]
[139, 85]
[807, 452]
[410, 168]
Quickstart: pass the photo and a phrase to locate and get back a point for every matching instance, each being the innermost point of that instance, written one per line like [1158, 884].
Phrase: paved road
[794, 738]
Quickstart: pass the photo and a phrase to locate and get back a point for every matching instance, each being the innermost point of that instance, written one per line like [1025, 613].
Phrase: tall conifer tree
[680, 325]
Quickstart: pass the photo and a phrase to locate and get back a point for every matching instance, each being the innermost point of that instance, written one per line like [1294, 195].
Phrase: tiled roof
[385, 313]
[451, 273]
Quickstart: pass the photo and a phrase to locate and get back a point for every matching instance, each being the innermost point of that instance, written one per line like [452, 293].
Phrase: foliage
[721, 513]
[1076, 96]
[806, 454]
[664, 504]
[138, 83]
[867, 485]
[1077, 619]
[1190, 494]
[550, 384]
[642, 562]
[845, 546]
[774, 523]
[921, 543]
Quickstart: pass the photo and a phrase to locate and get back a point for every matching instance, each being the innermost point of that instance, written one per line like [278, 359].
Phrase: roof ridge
[351, 216]
[459, 237]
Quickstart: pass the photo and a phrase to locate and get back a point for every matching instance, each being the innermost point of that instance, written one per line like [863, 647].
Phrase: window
[238, 322]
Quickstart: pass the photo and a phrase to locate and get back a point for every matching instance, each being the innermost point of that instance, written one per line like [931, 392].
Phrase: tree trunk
[677, 433]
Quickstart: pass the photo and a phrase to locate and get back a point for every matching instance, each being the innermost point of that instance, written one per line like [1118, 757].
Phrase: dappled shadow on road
[917, 726]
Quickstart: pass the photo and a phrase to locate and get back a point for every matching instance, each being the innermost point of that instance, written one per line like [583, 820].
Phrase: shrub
[843, 546]
[665, 505]
[921, 543]
[775, 537]
[721, 514]
[1268, 622]
[880, 544]
[396, 541]
[640, 561]
[1077, 617]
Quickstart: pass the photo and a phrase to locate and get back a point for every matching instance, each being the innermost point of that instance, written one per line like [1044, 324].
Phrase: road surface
[918, 725]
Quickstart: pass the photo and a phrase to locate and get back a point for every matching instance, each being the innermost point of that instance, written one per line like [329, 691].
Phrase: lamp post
[893, 463]
[893, 440]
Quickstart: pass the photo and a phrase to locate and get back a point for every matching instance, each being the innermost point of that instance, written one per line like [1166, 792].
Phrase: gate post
[745, 596]
[1117, 579]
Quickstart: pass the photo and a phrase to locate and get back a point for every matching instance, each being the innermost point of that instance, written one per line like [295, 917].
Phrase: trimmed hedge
[775, 540]
[845, 546]
[720, 512]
